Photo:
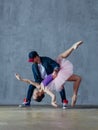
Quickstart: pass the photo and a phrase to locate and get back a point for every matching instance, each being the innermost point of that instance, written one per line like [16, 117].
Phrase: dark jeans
[31, 89]
[63, 94]
[30, 92]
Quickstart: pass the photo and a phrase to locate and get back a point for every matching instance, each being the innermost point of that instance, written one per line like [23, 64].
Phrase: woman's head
[38, 96]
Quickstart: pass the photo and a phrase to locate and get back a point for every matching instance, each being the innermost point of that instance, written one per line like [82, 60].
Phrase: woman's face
[36, 94]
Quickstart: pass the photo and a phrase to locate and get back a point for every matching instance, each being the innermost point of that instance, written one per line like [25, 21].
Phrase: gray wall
[49, 27]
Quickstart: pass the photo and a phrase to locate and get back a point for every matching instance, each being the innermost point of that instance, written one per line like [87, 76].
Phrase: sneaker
[65, 104]
[25, 103]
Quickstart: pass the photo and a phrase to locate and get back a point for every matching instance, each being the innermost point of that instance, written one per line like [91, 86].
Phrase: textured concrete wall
[49, 27]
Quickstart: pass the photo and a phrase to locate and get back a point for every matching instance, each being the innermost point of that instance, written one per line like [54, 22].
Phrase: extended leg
[69, 51]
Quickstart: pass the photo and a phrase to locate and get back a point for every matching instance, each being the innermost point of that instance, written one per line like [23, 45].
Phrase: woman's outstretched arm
[28, 81]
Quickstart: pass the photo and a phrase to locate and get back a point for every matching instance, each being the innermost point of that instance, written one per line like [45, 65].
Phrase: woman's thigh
[74, 77]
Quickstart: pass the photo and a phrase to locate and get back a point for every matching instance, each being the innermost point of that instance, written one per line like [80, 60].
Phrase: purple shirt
[47, 80]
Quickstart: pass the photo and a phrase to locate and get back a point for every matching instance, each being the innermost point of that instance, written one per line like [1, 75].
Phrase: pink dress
[66, 70]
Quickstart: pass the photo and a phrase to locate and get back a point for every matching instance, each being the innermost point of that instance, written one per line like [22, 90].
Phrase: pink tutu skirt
[66, 70]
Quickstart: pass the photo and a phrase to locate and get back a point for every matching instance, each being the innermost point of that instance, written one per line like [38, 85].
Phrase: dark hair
[39, 98]
[33, 54]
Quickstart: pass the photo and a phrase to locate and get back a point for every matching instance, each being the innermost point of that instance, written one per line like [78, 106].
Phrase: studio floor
[48, 118]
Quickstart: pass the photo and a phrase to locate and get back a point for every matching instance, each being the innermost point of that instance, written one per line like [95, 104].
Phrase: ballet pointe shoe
[54, 104]
[74, 99]
[77, 44]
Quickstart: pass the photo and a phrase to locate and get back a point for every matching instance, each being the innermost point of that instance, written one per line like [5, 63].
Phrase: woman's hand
[18, 76]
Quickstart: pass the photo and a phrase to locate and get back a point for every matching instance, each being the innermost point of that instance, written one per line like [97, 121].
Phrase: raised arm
[28, 81]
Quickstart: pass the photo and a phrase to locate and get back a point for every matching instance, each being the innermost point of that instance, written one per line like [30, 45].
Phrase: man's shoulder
[45, 58]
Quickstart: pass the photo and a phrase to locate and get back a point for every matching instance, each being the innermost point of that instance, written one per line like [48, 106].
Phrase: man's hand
[54, 74]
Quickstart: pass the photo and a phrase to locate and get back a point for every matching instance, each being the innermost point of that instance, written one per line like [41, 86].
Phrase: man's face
[36, 59]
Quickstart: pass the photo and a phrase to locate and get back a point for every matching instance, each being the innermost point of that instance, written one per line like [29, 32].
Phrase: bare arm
[53, 97]
[28, 81]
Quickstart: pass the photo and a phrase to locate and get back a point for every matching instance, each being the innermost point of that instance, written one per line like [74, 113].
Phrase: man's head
[34, 57]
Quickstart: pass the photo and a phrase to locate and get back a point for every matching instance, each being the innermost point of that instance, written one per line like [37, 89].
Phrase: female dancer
[56, 80]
